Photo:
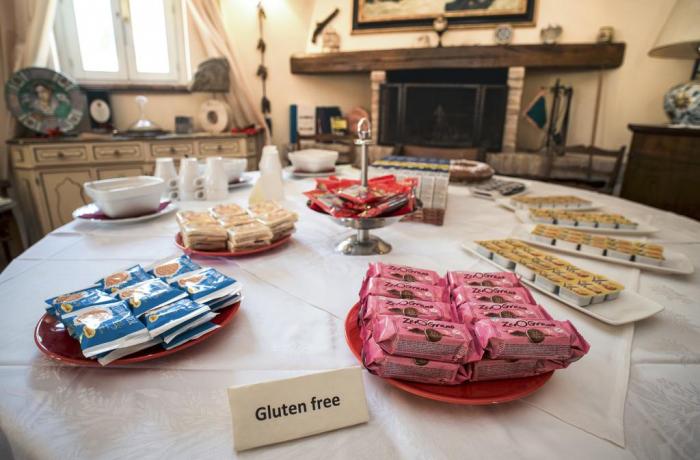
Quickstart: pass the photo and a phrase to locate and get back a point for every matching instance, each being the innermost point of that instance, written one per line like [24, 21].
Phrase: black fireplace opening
[444, 108]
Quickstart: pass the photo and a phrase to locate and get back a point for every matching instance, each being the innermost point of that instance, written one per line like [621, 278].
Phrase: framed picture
[393, 15]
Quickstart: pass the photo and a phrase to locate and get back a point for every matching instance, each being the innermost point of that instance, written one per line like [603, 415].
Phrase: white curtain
[208, 26]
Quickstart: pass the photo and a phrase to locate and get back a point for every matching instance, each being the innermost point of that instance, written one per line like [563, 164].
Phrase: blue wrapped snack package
[122, 279]
[119, 353]
[149, 294]
[171, 334]
[173, 267]
[206, 285]
[77, 300]
[106, 327]
[192, 334]
[162, 319]
[220, 304]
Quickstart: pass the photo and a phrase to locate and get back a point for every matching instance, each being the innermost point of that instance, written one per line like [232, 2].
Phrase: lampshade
[680, 36]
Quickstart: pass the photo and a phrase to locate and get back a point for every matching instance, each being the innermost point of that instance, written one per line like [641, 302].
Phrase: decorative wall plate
[45, 101]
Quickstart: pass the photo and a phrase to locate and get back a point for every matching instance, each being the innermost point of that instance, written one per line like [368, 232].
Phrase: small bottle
[269, 186]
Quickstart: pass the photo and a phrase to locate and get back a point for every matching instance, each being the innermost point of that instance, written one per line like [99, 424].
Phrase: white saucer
[246, 179]
[304, 175]
[92, 208]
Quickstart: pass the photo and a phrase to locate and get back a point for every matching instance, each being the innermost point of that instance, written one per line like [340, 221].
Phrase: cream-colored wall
[631, 94]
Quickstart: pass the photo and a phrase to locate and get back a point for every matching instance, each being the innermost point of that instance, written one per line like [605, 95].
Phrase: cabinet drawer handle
[61, 155]
[172, 149]
[117, 152]
[219, 148]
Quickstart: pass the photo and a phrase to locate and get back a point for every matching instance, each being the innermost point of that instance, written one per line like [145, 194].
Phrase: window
[122, 41]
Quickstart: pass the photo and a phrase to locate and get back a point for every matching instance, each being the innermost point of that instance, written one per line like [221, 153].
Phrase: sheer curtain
[208, 26]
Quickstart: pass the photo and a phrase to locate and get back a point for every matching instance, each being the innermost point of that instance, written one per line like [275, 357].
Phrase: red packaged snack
[329, 203]
[533, 339]
[425, 338]
[463, 294]
[494, 369]
[398, 204]
[470, 313]
[495, 279]
[414, 369]
[404, 273]
[402, 290]
[377, 305]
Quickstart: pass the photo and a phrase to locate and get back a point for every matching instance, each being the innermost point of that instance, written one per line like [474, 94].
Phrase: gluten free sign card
[280, 410]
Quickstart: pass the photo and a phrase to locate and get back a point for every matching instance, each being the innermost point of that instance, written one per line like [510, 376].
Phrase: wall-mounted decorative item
[503, 34]
[606, 34]
[45, 101]
[440, 25]
[330, 42]
[387, 15]
[265, 106]
[550, 34]
[99, 111]
[212, 76]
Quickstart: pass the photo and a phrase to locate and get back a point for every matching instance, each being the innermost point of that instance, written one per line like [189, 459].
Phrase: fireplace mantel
[568, 56]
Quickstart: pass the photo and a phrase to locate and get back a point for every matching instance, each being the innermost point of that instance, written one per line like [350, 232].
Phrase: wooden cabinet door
[63, 192]
[111, 173]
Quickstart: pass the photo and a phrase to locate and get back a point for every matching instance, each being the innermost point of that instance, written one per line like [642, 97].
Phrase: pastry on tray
[581, 219]
[634, 251]
[549, 201]
[249, 236]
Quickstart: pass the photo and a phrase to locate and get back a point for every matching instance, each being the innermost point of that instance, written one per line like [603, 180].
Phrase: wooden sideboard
[663, 168]
[49, 174]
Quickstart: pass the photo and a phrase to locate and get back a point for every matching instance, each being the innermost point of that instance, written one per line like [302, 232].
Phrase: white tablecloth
[291, 322]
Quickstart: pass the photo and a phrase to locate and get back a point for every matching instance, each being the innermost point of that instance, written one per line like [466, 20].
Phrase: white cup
[189, 171]
[215, 179]
[165, 169]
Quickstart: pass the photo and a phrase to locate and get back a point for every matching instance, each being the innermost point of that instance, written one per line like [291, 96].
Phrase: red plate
[194, 252]
[473, 393]
[52, 339]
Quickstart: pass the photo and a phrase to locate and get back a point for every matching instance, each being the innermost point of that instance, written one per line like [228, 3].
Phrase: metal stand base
[354, 247]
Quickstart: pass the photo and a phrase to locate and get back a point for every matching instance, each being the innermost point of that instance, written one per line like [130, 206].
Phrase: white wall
[632, 93]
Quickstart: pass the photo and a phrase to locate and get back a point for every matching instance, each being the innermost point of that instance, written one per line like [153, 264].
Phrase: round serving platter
[91, 213]
[53, 340]
[195, 252]
[471, 393]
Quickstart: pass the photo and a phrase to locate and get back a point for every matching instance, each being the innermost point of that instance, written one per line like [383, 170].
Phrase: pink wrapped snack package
[469, 312]
[464, 294]
[495, 279]
[414, 369]
[377, 305]
[425, 338]
[526, 338]
[404, 273]
[402, 290]
[495, 369]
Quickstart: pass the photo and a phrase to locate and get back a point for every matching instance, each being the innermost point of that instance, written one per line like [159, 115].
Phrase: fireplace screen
[443, 114]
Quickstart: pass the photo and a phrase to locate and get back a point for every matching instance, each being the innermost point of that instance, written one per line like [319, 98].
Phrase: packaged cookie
[470, 313]
[494, 279]
[122, 279]
[171, 334]
[226, 301]
[530, 339]
[119, 353]
[377, 305]
[206, 284]
[496, 369]
[106, 327]
[192, 334]
[161, 319]
[402, 290]
[464, 294]
[227, 210]
[248, 236]
[424, 338]
[414, 369]
[149, 294]
[404, 273]
[173, 267]
[75, 301]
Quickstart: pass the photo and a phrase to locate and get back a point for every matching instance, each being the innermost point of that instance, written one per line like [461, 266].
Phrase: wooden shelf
[569, 56]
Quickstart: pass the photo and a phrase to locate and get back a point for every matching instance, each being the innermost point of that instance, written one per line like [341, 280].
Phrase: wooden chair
[586, 171]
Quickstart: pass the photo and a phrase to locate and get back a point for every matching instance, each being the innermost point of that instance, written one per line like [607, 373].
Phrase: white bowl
[126, 196]
[313, 160]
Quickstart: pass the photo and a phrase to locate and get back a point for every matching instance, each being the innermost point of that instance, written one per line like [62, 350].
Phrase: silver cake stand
[362, 243]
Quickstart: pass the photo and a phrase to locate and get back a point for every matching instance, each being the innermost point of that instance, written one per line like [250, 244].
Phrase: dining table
[636, 394]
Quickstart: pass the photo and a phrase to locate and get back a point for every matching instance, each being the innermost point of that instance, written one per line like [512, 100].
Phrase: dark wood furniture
[568, 56]
[663, 168]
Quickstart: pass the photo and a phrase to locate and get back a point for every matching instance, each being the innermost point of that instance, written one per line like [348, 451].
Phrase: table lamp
[680, 39]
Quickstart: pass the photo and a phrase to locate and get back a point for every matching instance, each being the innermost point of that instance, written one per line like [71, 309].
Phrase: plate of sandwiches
[590, 293]
[638, 254]
[229, 230]
[565, 202]
[592, 222]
